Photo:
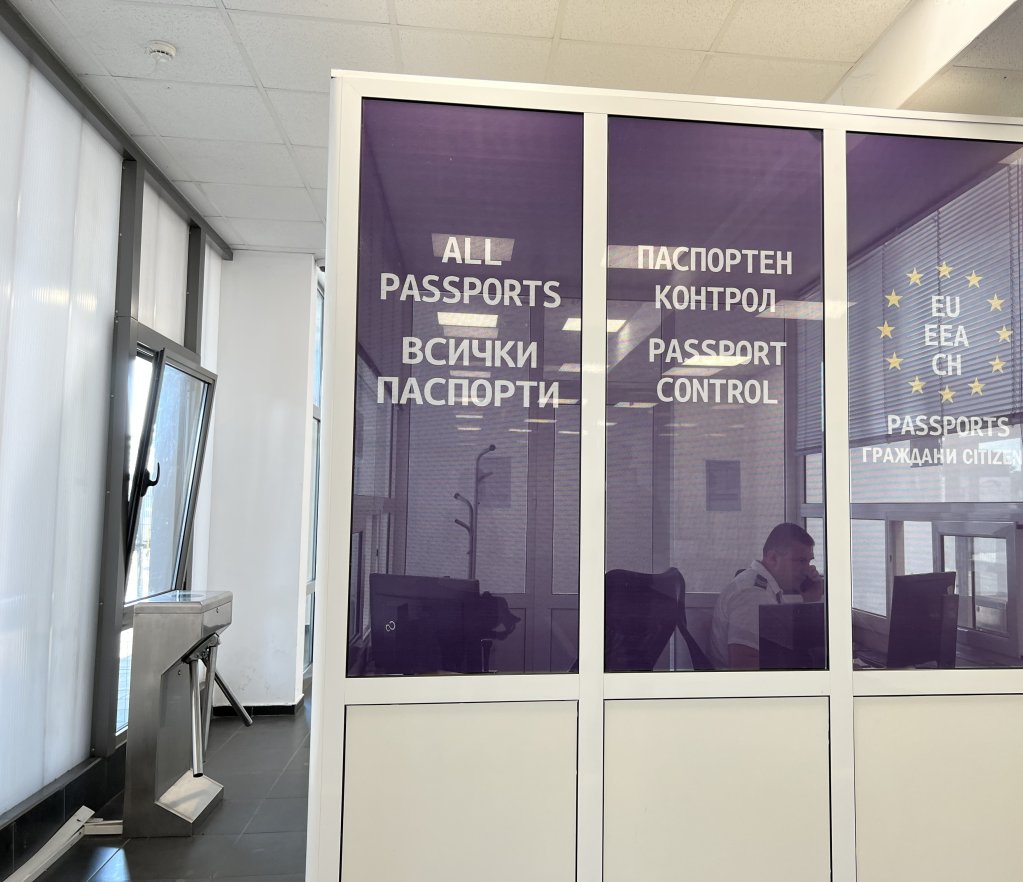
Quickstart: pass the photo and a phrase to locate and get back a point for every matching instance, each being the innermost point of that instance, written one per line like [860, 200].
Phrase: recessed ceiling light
[576, 324]
[716, 361]
[472, 375]
[812, 310]
[467, 319]
[636, 404]
[571, 367]
[472, 333]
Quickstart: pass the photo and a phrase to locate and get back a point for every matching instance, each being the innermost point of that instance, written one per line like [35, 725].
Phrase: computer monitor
[423, 624]
[793, 636]
[922, 627]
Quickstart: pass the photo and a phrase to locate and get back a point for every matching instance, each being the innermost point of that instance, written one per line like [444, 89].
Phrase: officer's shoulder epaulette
[760, 582]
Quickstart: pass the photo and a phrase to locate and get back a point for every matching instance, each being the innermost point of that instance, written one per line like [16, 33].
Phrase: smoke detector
[159, 50]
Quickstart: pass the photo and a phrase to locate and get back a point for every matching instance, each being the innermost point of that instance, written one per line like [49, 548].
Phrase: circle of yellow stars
[887, 330]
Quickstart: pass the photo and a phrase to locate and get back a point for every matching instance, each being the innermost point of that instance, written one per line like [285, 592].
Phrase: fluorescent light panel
[467, 319]
[576, 324]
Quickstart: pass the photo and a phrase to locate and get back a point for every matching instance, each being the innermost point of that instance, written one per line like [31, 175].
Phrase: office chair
[641, 613]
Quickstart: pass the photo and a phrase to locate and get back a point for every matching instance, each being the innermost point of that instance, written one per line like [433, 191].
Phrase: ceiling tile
[320, 201]
[482, 56]
[304, 115]
[677, 24]
[117, 34]
[295, 53]
[624, 67]
[220, 113]
[194, 194]
[109, 94]
[531, 18]
[266, 203]
[57, 34]
[312, 163]
[768, 78]
[972, 90]
[294, 235]
[227, 231]
[1000, 46]
[825, 30]
[162, 156]
[348, 10]
[226, 162]
[180, 2]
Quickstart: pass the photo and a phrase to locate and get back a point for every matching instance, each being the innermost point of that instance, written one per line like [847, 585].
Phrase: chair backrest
[641, 613]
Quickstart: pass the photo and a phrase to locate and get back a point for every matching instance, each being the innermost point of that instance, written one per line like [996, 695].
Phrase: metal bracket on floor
[54, 849]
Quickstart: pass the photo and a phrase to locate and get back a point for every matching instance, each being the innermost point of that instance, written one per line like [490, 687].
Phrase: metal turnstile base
[185, 803]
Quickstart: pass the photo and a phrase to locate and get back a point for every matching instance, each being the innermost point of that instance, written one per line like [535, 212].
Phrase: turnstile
[166, 791]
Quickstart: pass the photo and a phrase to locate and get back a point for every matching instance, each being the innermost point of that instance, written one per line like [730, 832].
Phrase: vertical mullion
[195, 283]
[590, 806]
[113, 555]
[836, 479]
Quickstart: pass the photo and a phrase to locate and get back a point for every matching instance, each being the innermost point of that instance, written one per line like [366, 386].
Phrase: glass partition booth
[673, 475]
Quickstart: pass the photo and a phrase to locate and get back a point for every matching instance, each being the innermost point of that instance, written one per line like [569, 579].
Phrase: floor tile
[83, 859]
[291, 784]
[229, 816]
[263, 853]
[286, 815]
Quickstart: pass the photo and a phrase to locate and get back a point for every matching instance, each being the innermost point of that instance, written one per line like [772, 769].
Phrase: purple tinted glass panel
[467, 499]
[935, 396]
[714, 396]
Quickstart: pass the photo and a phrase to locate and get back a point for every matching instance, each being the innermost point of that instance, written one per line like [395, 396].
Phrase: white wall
[203, 505]
[260, 474]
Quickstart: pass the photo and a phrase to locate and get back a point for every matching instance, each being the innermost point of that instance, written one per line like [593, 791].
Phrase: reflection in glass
[869, 573]
[466, 472]
[714, 401]
[173, 455]
[935, 376]
[123, 678]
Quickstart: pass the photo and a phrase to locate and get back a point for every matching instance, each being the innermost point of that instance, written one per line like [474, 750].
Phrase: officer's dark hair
[784, 536]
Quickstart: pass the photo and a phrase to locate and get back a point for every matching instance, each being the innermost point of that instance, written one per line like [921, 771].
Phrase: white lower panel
[938, 787]
[717, 790]
[460, 792]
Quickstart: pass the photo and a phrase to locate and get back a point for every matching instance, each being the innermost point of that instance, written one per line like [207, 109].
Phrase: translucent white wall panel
[83, 437]
[59, 193]
[937, 787]
[459, 793]
[717, 789]
[163, 267]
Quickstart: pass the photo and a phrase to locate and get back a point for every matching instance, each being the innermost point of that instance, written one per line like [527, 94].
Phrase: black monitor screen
[922, 629]
[423, 624]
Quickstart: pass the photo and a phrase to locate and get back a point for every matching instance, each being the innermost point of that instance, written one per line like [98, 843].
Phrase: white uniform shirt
[737, 612]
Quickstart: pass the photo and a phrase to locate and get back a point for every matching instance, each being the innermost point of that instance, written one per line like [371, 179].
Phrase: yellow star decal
[947, 394]
[974, 280]
[944, 271]
[976, 387]
[895, 362]
[893, 298]
[996, 302]
[886, 329]
[914, 277]
[997, 365]
[1004, 334]
[917, 385]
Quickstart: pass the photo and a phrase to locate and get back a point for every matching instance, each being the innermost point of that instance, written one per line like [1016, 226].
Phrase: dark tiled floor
[256, 833]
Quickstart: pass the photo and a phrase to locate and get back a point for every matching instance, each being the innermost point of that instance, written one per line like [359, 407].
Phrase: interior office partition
[671, 487]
